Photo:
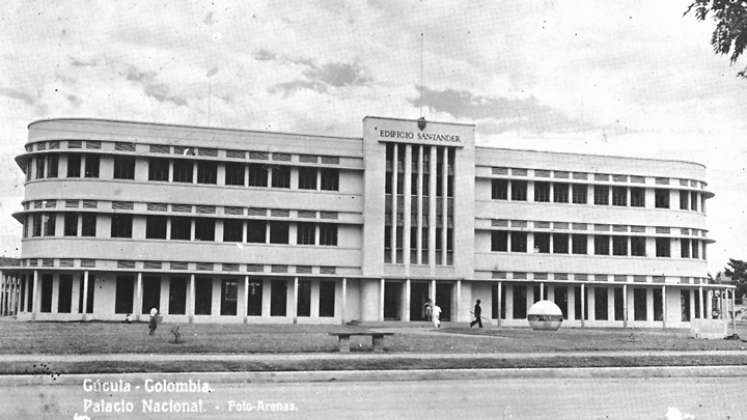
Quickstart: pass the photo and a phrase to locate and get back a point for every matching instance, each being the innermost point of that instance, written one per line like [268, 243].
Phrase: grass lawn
[100, 337]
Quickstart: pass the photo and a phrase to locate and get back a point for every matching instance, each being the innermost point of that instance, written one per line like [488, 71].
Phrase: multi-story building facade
[222, 225]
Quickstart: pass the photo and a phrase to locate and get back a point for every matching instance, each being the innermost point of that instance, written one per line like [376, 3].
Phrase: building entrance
[392, 300]
[418, 297]
[443, 299]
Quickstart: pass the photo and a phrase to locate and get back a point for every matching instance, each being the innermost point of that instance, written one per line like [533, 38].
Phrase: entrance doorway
[443, 299]
[392, 300]
[418, 297]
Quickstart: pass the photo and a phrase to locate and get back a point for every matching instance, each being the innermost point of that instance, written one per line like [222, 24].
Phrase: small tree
[730, 34]
[737, 270]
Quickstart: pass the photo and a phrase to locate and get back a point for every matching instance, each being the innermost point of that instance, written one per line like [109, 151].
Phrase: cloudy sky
[615, 77]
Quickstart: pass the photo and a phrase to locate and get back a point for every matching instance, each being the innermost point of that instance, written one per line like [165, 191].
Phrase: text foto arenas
[166, 405]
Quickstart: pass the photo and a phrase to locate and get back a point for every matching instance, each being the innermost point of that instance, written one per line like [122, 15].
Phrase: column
[85, 294]
[138, 306]
[406, 301]
[381, 299]
[702, 308]
[509, 301]
[246, 297]
[344, 305]
[709, 304]
[432, 292]
[191, 299]
[395, 179]
[35, 297]
[625, 305]
[406, 196]
[55, 292]
[458, 306]
[649, 304]
[542, 290]
[583, 303]
[294, 306]
[444, 203]
[419, 239]
[663, 306]
[500, 294]
[591, 303]
[611, 303]
[26, 293]
[733, 308]
[692, 304]
[432, 212]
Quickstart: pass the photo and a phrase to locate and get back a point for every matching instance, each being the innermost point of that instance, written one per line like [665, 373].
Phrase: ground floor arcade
[267, 298]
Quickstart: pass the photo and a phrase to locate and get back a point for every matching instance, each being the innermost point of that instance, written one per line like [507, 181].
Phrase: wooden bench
[377, 340]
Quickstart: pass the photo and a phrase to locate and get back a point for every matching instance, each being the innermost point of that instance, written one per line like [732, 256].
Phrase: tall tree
[730, 34]
[737, 270]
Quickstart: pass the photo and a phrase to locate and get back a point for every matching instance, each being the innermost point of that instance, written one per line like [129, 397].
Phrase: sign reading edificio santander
[444, 139]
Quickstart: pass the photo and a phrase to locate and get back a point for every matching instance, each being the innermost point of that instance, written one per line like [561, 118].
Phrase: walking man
[478, 315]
[153, 322]
[436, 315]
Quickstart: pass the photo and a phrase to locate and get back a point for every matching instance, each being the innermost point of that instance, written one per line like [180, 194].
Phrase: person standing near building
[153, 322]
[436, 315]
[478, 315]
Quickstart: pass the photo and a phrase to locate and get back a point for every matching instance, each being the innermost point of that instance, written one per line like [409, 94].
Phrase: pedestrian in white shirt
[436, 315]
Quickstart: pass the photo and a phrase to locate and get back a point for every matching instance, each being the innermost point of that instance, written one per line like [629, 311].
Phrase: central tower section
[419, 198]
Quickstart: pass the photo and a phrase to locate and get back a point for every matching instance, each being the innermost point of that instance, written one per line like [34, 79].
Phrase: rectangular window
[499, 240]
[92, 166]
[518, 242]
[158, 169]
[662, 247]
[65, 294]
[579, 244]
[281, 177]
[40, 165]
[256, 231]
[694, 201]
[37, 225]
[684, 248]
[46, 293]
[328, 234]
[151, 294]
[579, 193]
[52, 166]
[637, 246]
[601, 245]
[560, 243]
[661, 198]
[542, 191]
[619, 307]
[203, 295]
[121, 226]
[658, 305]
[278, 297]
[600, 303]
[233, 230]
[88, 225]
[304, 298]
[560, 193]
[637, 197]
[181, 228]
[204, 229]
[499, 189]
[331, 179]
[207, 172]
[306, 178]
[124, 167]
[684, 200]
[305, 233]
[685, 304]
[49, 223]
[228, 297]
[257, 175]
[123, 294]
[254, 298]
[177, 295]
[542, 243]
[561, 299]
[327, 299]
[519, 190]
[601, 195]
[183, 171]
[73, 166]
[619, 196]
[155, 227]
[278, 232]
[577, 303]
[520, 302]
[71, 224]
[235, 174]
[619, 245]
[695, 247]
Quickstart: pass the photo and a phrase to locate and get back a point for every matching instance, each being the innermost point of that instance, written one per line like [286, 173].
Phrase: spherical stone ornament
[545, 315]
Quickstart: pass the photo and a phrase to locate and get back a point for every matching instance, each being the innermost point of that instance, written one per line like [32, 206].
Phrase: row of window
[603, 302]
[564, 243]
[186, 228]
[190, 171]
[562, 192]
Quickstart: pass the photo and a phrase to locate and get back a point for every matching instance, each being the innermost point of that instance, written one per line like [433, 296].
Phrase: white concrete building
[223, 225]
